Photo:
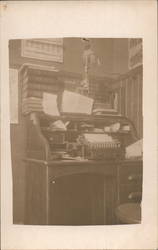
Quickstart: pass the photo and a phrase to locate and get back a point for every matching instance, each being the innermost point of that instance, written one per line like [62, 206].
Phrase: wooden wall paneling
[129, 88]
[132, 100]
[135, 101]
[141, 105]
[123, 97]
[137, 104]
[139, 121]
[119, 100]
[129, 98]
[132, 115]
[126, 97]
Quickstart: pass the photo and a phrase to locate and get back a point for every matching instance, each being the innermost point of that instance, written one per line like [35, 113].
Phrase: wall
[113, 55]
[73, 51]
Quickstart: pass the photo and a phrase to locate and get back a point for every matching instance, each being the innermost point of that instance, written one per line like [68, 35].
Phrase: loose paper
[50, 104]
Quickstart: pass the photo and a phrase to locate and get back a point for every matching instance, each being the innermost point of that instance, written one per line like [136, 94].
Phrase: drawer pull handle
[130, 196]
[130, 177]
[134, 195]
[53, 181]
[134, 177]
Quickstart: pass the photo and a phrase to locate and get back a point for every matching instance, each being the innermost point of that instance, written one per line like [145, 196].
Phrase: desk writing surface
[76, 162]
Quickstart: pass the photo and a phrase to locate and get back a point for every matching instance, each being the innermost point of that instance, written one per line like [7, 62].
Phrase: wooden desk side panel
[36, 194]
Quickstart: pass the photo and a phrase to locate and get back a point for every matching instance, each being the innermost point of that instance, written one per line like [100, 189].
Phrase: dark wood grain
[36, 194]
[77, 194]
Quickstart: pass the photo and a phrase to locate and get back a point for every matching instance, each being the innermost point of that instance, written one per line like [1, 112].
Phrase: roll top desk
[70, 181]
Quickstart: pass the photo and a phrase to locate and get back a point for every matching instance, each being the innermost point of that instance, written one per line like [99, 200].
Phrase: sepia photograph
[76, 130]
[79, 125]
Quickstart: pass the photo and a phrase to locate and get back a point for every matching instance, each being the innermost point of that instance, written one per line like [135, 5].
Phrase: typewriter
[74, 136]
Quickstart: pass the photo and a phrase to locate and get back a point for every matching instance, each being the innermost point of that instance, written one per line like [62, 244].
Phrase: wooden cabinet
[77, 200]
[70, 193]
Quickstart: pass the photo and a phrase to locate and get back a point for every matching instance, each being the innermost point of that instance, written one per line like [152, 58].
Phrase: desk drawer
[130, 175]
[128, 193]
